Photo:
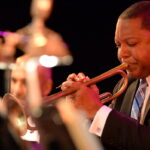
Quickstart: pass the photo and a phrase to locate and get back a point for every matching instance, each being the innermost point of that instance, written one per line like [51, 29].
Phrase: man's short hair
[138, 10]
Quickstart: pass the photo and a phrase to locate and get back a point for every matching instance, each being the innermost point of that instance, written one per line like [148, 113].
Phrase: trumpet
[18, 113]
[106, 97]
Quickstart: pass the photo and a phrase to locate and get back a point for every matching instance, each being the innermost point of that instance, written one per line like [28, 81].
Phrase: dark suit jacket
[122, 132]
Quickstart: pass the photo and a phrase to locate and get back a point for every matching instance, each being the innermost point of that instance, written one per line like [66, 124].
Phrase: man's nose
[123, 53]
[19, 89]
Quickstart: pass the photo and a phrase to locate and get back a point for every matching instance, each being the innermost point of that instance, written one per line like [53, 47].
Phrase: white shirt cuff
[99, 120]
[31, 136]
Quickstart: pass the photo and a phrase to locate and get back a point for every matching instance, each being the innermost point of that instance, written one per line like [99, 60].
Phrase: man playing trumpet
[126, 124]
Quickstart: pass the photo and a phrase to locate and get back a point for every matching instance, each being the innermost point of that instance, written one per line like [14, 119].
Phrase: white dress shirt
[31, 135]
[100, 118]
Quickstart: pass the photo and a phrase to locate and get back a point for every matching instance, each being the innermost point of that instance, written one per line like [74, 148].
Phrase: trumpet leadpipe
[52, 99]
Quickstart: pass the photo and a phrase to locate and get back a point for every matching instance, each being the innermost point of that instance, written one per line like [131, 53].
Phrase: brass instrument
[17, 114]
[117, 70]
[16, 110]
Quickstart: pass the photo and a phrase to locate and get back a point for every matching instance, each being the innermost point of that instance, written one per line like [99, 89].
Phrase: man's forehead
[18, 71]
[18, 67]
[128, 27]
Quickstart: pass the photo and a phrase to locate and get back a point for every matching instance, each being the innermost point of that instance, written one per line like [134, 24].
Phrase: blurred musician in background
[121, 127]
[54, 135]
[18, 83]
[35, 38]
[18, 86]
[47, 131]
[47, 42]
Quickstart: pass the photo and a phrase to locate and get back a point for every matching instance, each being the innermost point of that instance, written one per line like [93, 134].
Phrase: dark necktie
[138, 100]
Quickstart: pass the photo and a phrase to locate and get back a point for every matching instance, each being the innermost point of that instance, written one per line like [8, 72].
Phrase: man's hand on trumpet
[86, 98]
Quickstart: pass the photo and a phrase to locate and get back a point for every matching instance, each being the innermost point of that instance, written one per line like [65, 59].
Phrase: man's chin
[136, 75]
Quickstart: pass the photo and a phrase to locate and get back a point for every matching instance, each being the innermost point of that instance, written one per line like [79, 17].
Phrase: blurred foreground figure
[126, 125]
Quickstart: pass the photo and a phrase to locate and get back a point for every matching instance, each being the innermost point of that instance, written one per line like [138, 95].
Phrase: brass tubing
[52, 99]
[17, 110]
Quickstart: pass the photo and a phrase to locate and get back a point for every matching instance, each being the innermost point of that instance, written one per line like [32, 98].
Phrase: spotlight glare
[48, 61]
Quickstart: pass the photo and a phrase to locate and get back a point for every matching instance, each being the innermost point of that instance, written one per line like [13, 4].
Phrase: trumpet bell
[15, 113]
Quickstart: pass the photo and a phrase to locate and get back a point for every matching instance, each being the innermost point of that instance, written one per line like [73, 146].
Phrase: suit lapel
[129, 95]
[145, 111]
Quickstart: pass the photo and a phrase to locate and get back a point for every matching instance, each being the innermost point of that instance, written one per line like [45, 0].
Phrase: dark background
[87, 26]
